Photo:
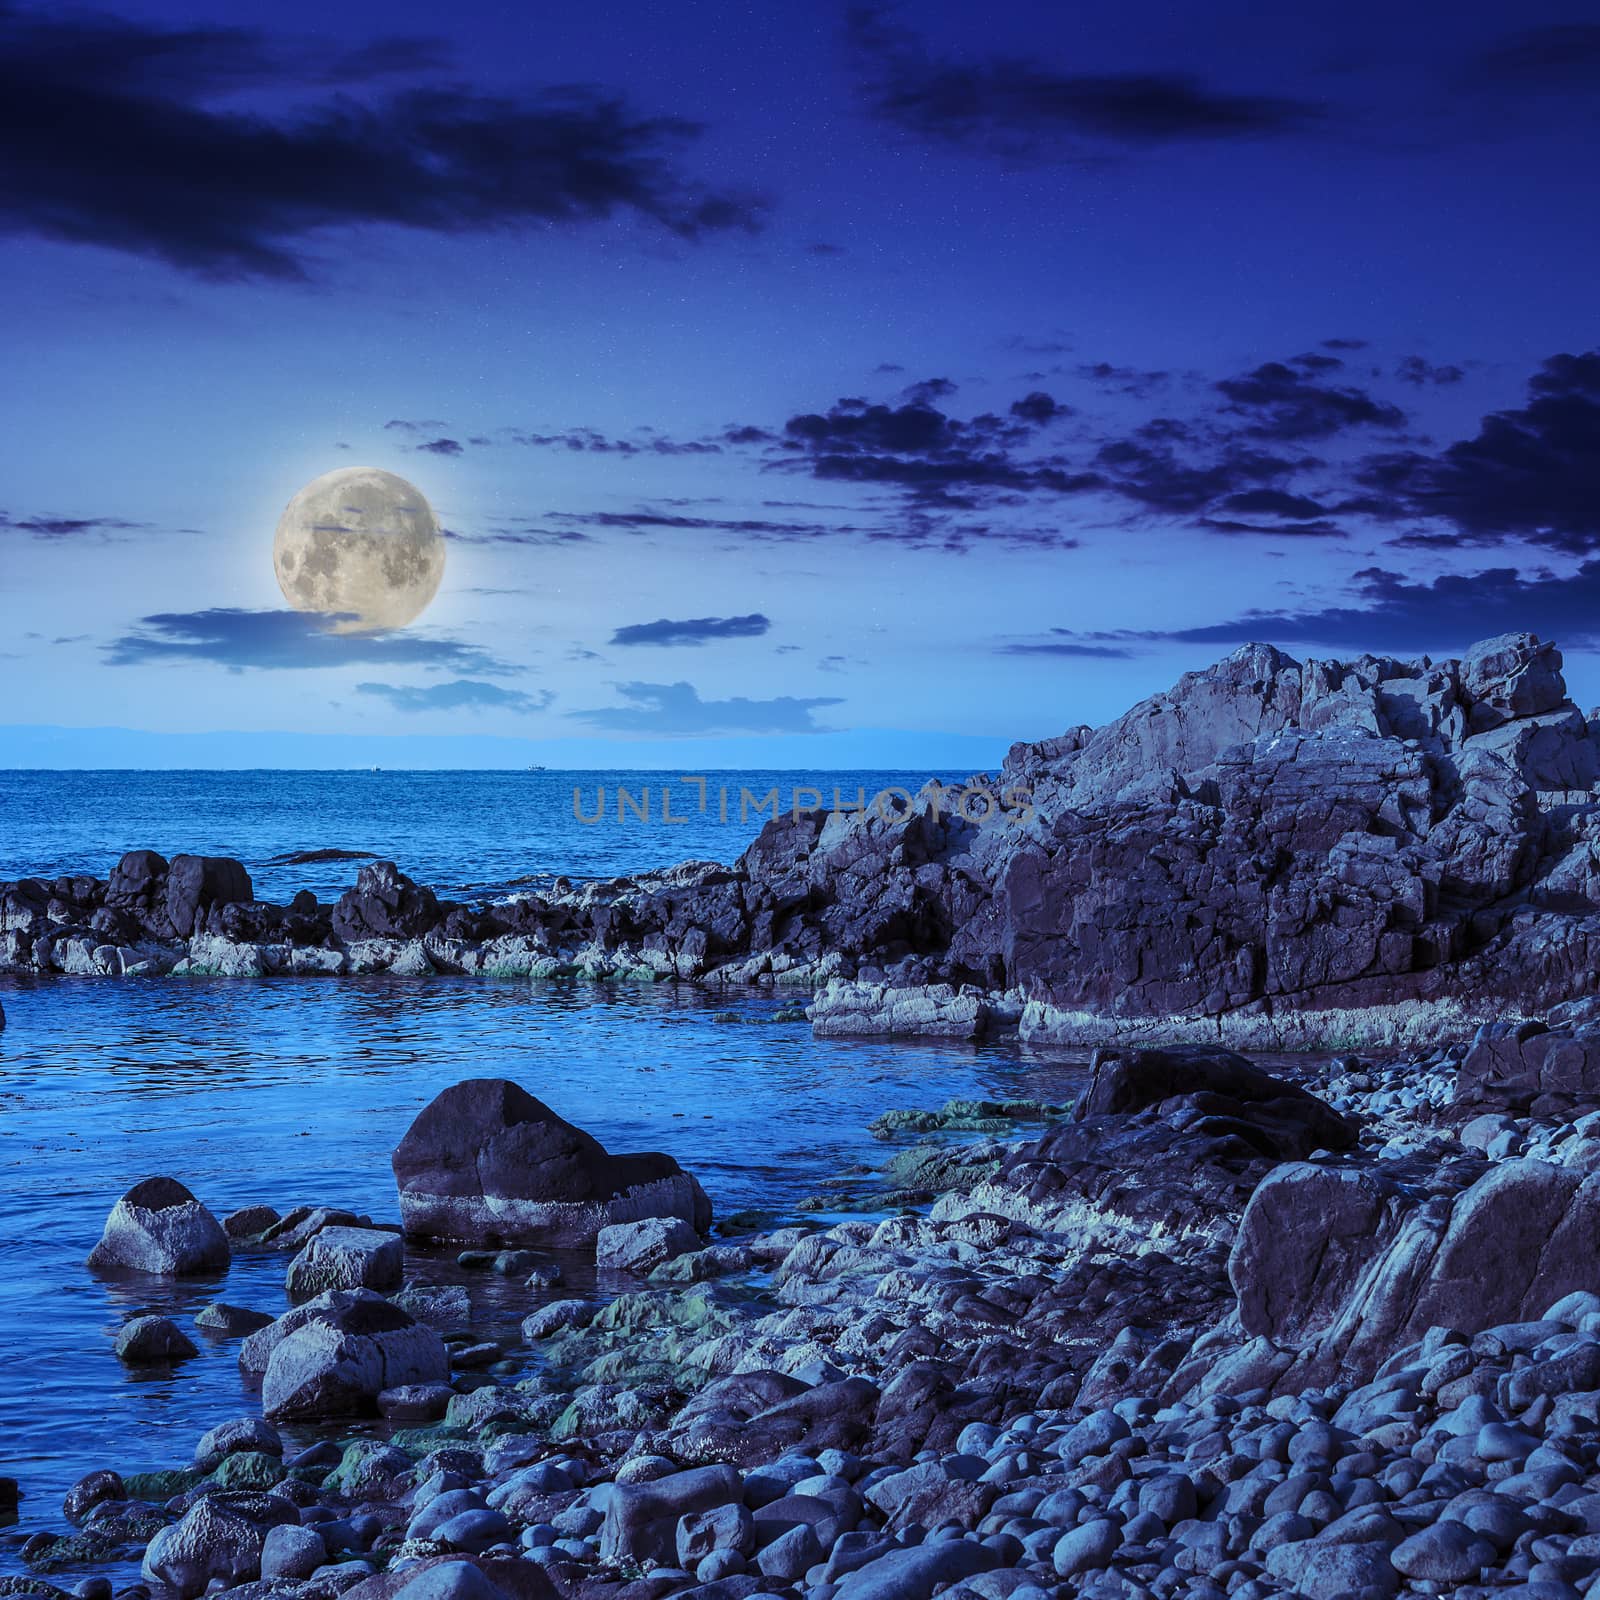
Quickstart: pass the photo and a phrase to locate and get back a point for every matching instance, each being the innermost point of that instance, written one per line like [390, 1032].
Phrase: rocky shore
[1213, 1332]
[1273, 854]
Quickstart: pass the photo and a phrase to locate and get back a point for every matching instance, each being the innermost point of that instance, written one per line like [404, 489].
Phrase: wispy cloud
[674, 708]
[460, 694]
[692, 630]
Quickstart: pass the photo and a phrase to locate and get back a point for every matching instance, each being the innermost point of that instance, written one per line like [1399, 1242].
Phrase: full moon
[362, 545]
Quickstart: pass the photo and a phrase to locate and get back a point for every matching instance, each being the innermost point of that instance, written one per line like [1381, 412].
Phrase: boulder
[160, 1228]
[642, 1518]
[250, 1434]
[334, 1355]
[640, 1247]
[219, 1538]
[1280, 1118]
[486, 1163]
[1335, 1269]
[346, 1258]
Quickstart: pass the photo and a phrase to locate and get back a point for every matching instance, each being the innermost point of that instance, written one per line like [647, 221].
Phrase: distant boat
[537, 768]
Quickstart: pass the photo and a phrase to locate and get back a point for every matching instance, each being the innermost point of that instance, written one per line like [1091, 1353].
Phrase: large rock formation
[1273, 850]
[1338, 1269]
[485, 1162]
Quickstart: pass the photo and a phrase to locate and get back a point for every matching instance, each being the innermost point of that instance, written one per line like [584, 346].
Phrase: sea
[289, 1091]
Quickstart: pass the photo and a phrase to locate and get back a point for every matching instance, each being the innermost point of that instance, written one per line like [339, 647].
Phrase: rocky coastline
[1272, 854]
[1212, 1332]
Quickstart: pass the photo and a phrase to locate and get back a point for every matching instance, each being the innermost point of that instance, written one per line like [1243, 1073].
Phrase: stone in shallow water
[230, 1321]
[346, 1258]
[145, 1340]
[485, 1163]
[639, 1247]
[158, 1227]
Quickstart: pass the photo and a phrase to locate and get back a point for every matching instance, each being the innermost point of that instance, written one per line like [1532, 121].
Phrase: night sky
[819, 385]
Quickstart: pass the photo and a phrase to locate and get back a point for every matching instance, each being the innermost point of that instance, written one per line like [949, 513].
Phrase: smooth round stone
[1504, 1441]
[1447, 1552]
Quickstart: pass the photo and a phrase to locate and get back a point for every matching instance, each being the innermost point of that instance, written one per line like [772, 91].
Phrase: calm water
[456, 831]
[291, 1091]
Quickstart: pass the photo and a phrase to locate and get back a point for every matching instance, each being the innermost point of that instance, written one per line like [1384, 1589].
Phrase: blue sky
[793, 383]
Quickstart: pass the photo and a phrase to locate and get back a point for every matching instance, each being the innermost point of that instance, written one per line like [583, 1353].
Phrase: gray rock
[158, 1227]
[145, 1340]
[914, 1574]
[639, 1247]
[338, 1352]
[1086, 1548]
[727, 1527]
[1447, 1552]
[346, 1258]
[215, 1539]
[642, 1518]
[230, 1321]
[791, 1555]
[242, 1433]
[292, 1552]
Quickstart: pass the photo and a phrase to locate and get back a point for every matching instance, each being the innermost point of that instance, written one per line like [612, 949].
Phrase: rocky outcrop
[160, 1228]
[1339, 1268]
[1274, 850]
[486, 1163]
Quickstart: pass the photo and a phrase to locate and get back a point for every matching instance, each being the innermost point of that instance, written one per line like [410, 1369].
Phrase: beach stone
[915, 1573]
[1085, 1548]
[486, 1163]
[1327, 1571]
[248, 1222]
[1447, 1552]
[639, 1247]
[346, 1258]
[292, 1552]
[240, 1434]
[727, 1527]
[928, 1495]
[158, 1227]
[143, 1340]
[338, 1352]
[642, 1518]
[91, 1490]
[214, 1540]
[231, 1321]
[791, 1555]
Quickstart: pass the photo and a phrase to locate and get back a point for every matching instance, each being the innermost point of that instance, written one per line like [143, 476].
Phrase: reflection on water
[297, 1091]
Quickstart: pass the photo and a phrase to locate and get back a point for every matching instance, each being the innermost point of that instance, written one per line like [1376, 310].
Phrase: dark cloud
[692, 630]
[591, 441]
[66, 527]
[1124, 380]
[1345, 344]
[1064, 642]
[1282, 403]
[1423, 373]
[648, 519]
[442, 447]
[284, 639]
[925, 452]
[1021, 110]
[111, 134]
[676, 708]
[1393, 613]
[525, 537]
[460, 694]
[1529, 473]
[1559, 55]
[1157, 477]
[1039, 408]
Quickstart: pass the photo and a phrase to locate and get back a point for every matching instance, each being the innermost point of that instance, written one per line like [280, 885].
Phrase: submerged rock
[346, 1258]
[160, 1228]
[485, 1163]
